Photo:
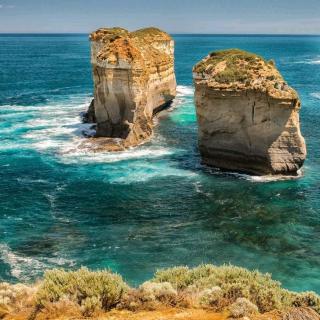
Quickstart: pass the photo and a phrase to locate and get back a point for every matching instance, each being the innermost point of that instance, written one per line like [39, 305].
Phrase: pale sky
[173, 16]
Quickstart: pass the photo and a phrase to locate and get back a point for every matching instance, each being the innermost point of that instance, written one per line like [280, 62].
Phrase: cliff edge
[248, 116]
[134, 78]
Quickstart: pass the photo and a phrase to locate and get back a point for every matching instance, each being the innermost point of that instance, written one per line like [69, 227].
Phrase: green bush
[212, 298]
[236, 283]
[90, 290]
[179, 277]
[216, 287]
[239, 66]
[242, 308]
[231, 75]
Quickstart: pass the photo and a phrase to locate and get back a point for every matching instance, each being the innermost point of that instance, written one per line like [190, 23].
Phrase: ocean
[154, 206]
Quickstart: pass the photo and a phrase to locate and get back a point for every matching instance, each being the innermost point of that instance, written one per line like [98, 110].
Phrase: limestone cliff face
[248, 116]
[133, 75]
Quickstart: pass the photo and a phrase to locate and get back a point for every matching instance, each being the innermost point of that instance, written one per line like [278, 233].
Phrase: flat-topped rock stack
[134, 78]
[248, 116]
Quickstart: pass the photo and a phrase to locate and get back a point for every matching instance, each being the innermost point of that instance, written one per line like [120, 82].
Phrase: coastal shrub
[11, 294]
[231, 75]
[158, 291]
[149, 296]
[212, 298]
[90, 290]
[54, 310]
[90, 305]
[272, 62]
[233, 291]
[235, 282]
[307, 299]
[242, 308]
[179, 277]
[133, 301]
[239, 65]
[86, 293]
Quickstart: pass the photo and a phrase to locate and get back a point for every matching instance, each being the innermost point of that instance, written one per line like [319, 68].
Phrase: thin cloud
[9, 6]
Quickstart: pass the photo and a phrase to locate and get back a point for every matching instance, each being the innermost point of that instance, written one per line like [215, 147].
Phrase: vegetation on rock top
[238, 66]
[105, 34]
[139, 48]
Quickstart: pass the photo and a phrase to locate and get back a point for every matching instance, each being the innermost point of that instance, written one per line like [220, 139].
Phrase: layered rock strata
[248, 116]
[134, 78]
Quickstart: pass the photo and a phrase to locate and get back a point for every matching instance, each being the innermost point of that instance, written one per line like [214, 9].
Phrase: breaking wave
[24, 268]
[185, 91]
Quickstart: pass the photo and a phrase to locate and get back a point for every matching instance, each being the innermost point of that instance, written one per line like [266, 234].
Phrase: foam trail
[268, 178]
[309, 61]
[72, 154]
[316, 95]
[314, 62]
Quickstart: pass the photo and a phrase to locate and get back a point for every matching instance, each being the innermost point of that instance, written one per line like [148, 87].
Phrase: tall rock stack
[248, 116]
[134, 77]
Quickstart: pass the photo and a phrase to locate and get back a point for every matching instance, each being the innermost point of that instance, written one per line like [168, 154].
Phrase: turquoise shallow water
[153, 206]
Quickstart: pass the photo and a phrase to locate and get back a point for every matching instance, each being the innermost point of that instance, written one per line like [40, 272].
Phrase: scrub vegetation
[234, 65]
[232, 291]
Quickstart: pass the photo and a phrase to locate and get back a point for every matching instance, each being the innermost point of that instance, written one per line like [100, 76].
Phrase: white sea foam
[309, 61]
[19, 265]
[184, 94]
[270, 178]
[57, 108]
[145, 172]
[314, 62]
[24, 268]
[73, 154]
[185, 91]
[56, 129]
[32, 181]
[253, 178]
[316, 95]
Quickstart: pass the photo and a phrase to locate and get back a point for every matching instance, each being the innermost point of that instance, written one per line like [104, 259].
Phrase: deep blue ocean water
[156, 205]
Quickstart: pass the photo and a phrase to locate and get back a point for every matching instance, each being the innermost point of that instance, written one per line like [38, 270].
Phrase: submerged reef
[133, 74]
[204, 292]
[248, 116]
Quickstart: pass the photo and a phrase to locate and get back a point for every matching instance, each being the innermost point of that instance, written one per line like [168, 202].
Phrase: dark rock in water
[89, 116]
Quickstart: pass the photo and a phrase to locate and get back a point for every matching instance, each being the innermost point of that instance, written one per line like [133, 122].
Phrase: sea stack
[134, 78]
[248, 116]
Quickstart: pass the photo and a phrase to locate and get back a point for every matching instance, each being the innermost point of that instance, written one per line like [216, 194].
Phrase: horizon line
[171, 33]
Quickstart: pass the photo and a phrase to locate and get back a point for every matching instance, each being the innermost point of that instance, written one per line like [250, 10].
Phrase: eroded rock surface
[248, 116]
[133, 75]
